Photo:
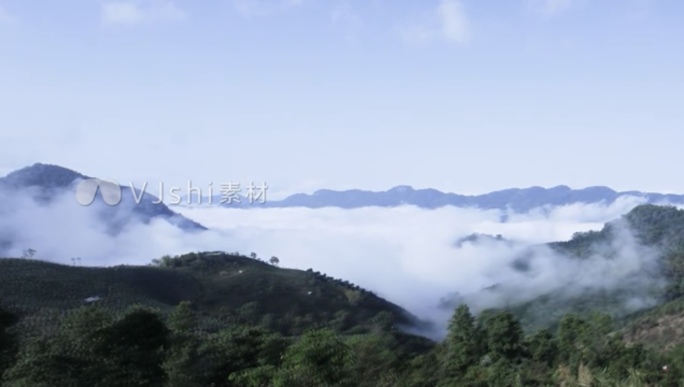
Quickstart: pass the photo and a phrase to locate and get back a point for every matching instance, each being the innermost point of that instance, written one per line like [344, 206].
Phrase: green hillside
[658, 232]
[660, 328]
[226, 288]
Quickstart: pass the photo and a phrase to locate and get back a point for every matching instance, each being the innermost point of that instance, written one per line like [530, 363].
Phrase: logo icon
[86, 191]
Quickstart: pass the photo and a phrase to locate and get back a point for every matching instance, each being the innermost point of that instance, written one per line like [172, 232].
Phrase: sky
[459, 95]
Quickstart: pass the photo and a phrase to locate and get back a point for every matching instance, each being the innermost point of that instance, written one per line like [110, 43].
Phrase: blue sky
[466, 96]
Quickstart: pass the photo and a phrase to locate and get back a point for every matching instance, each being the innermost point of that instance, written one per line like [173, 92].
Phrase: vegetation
[221, 319]
[145, 347]
[659, 234]
[227, 288]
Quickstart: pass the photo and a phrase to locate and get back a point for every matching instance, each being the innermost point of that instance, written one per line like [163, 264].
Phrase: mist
[406, 254]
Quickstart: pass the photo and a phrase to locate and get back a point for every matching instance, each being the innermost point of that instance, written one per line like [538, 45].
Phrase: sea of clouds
[406, 254]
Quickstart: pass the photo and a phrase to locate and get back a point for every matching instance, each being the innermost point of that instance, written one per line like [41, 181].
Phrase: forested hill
[654, 286]
[659, 227]
[218, 319]
[663, 228]
[654, 225]
[226, 288]
[51, 336]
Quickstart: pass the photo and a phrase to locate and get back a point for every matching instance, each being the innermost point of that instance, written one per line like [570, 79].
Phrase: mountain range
[50, 179]
[517, 199]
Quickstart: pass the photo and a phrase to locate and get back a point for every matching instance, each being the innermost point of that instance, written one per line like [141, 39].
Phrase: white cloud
[414, 249]
[550, 7]
[137, 12]
[405, 254]
[448, 21]
[453, 21]
[122, 13]
[251, 8]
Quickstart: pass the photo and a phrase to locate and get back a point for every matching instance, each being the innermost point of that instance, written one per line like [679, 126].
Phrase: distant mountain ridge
[52, 177]
[46, 181]
[518, 199]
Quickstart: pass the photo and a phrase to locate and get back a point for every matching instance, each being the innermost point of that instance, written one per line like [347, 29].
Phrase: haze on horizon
[457, 95]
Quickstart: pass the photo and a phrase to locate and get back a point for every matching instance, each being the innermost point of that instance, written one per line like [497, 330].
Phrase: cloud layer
[448, 21]
[406, 254]
[132, 12]
[550, 7]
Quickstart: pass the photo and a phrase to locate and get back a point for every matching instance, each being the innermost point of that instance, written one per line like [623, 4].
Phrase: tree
[462, 344]
[274, 261]
[183, 363]
[375, 359]
[8, 342]
[183, 318]
[571, 331]
[383, 320]
[542, 348]
[253, 255]
[67, 359]
[38, 366]
[29, 253]
[133, 349]
[235, 356]
[319, 358]
[504, 337]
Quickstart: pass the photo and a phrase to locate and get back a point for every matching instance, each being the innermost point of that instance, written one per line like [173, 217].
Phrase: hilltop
[44, 183]
[477, 238]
